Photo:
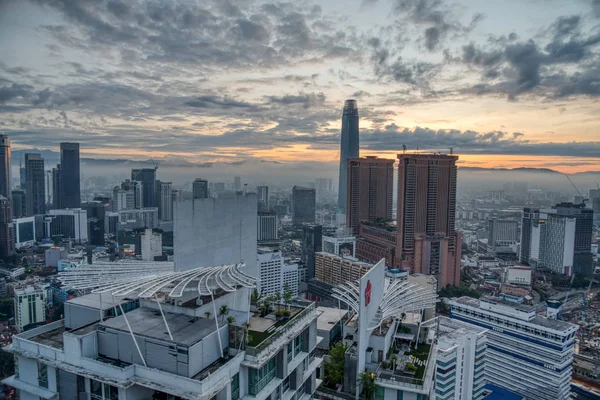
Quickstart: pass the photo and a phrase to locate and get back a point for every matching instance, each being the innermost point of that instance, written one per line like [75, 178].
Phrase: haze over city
[220, 84]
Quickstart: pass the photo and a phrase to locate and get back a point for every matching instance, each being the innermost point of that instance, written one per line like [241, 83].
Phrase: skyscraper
[237, 183]
[165, 205]
[312, 242]
[200, 188]
[35, 184]
[56, 196]
[370, 190]
[263, 198]
[529, 215]
[303, 205]
[7, 232]
[348, 148]
[70, 178]
[502, 233]
[19, 205]
[426, 239]
[147, 176]
[5, 174]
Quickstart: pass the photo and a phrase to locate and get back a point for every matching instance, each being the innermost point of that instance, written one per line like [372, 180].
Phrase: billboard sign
[371, 292]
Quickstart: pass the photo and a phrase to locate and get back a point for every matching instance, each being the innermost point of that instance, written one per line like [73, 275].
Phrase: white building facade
[139, 218]
[275, 273]
[266, 225]
[526, 353]
[30, 306]
[460, 361]
[151, 245]
[70, 223]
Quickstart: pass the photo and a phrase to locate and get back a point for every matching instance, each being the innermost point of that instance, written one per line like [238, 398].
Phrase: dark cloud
[306, 99]
[217, 102]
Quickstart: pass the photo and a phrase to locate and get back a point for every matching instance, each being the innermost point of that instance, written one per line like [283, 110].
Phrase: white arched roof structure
[400, 296]
[149, 279]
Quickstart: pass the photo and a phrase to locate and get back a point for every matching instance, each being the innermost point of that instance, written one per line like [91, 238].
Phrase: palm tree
[287, 295]
[223, 311]
[231, 319]
[207, 315]
[368, 385]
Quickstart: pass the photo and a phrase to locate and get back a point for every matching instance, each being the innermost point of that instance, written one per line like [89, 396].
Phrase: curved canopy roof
[399, 297]
[147, 280]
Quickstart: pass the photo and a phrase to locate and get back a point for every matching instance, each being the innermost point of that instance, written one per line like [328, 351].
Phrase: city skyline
[150, 81]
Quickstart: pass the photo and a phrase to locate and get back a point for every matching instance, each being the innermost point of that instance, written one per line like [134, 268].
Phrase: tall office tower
[304, 202]
[70, 178]
[427, 240]
[96, 212]
[370, 190]
[312, 242]
[137, 190]
[19, 205]
[266, 225]
[521, 343]
[529, 216]
[222, 229]
[56, 197]
[502, 233]
[147, 177]
[200, 188]
[7, 231]
[349, 144]
[263, 198]
[237, 183]
[165, 205]
[30, 306]
[35, 184]
[5, 173]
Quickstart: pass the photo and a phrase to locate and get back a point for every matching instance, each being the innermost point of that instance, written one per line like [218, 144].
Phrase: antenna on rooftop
[451, 150]
[403, 149]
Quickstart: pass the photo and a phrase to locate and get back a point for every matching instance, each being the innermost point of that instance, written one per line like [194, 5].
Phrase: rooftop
[498, 393]
[186, 330]
[329, 317]
[452, 331]
[93, 301]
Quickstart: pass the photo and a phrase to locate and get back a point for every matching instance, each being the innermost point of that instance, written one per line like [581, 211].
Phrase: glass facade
[259, 378]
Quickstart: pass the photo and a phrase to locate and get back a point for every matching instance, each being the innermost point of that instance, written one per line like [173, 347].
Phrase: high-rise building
[68, 223]
[304, 202]
[7, 231]
[30, 306]
[324, 186]
[263, 198]
[529, 215]
[377, 240]
[427, 241]
[559, 238]
[266, 226]
[122, 199]
[148, 244]
[222, 229]
[135, 196]
[340, 244]
[334, 270]
[147, 176]
[5, 167]
[312, 242]
[35, 184]
[275, 273]
[369, 191]
[461, 355]
[502, 233]
[349, 144]
[521, 343]
[56, 195]
[96, 212]
[139, 218]
[165, 205]
[19, 204]
[237, 183]
[200, 188]
[70, 178]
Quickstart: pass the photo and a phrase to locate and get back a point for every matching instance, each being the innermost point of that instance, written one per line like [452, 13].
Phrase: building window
[42, 375]
[380, 393]
[235, 386]
[16, 367]
[286, 384]
[259, 378]
[103, 391]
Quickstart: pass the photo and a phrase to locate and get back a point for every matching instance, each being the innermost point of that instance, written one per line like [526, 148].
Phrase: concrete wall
[215, 231]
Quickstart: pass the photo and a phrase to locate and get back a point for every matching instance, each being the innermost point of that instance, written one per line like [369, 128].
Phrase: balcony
[265, 344]
[411, 371]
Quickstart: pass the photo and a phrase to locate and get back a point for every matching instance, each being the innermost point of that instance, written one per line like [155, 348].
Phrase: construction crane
[575, 187]
[154, 163]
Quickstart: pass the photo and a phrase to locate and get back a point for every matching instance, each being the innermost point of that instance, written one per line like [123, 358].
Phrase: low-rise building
[334, 269]
[30, 306]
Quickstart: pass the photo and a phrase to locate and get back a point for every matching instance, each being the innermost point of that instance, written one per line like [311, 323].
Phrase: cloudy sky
[505, 83]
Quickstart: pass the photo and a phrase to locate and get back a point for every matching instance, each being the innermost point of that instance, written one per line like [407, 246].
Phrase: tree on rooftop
[334, 368]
